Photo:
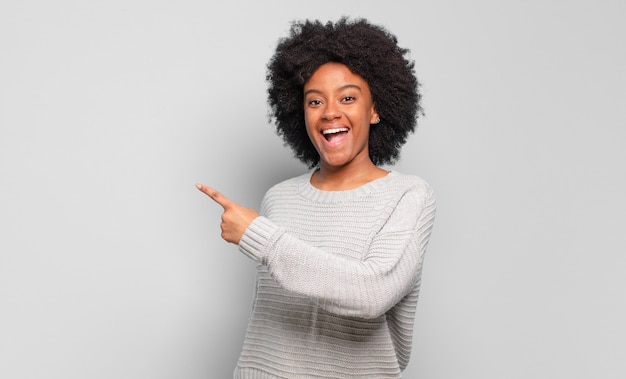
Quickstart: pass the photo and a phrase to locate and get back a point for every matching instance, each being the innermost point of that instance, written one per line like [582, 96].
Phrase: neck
[347, 177]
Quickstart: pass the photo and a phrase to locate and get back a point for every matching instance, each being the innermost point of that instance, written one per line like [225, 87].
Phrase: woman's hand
[235, 218]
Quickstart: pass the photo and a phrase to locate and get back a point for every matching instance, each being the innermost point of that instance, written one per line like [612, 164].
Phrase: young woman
[339, 250]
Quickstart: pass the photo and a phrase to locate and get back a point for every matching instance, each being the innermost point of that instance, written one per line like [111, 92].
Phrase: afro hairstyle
[369, 51]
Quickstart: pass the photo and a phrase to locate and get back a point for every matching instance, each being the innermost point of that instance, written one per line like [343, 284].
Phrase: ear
[375, 118]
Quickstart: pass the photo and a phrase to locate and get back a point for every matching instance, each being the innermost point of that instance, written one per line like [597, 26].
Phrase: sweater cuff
[257, 238]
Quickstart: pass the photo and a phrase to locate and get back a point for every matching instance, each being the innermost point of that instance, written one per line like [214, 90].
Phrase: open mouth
[334, 134]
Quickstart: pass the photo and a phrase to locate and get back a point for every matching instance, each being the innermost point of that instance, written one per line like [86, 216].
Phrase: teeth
[336, 130]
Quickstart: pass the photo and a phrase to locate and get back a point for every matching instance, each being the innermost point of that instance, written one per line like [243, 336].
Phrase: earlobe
[375, 118]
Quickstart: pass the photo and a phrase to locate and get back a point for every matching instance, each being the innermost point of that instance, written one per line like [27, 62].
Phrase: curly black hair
[369, 51]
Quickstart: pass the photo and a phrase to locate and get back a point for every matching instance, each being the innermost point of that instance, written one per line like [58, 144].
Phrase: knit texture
[338, 277]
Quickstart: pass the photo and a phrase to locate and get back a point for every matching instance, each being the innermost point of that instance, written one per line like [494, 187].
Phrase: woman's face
[338, 111]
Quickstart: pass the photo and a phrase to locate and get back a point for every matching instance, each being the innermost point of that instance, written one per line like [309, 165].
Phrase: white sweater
[338, 279]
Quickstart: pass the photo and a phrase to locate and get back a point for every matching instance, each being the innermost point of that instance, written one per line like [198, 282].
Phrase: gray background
[111, 265]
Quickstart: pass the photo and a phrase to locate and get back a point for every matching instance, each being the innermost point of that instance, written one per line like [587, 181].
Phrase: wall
[111, 265]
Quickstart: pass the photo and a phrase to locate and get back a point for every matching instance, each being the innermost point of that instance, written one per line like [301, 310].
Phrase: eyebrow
[313, 90]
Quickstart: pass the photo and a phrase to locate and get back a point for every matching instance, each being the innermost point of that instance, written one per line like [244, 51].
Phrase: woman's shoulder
[408, 193]
[409, 182]
[393, 185]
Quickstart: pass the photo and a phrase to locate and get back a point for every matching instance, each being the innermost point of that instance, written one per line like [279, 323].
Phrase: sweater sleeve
[364, 288]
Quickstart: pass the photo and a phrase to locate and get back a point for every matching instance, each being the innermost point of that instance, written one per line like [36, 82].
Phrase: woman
[339, 250]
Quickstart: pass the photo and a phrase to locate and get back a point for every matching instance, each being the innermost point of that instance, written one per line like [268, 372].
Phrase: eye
[314, 103]
[348, 99]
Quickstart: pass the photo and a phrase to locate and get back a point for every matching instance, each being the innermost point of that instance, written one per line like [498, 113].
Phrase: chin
[336, 163]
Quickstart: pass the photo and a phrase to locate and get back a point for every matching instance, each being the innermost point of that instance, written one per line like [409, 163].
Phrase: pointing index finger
[215, 195]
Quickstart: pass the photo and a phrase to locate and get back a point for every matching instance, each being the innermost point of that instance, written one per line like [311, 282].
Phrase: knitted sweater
[338, 277]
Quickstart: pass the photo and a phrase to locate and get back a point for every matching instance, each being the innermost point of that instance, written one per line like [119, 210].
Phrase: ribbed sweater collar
[306, 190]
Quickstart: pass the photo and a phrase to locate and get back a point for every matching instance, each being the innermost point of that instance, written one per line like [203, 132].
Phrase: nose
[331, 112]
